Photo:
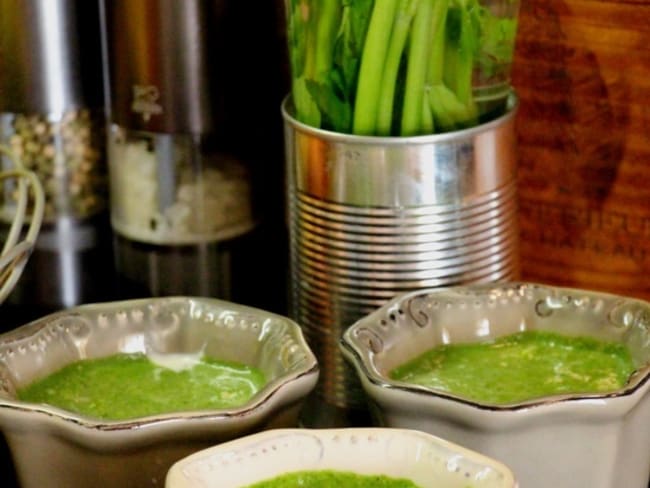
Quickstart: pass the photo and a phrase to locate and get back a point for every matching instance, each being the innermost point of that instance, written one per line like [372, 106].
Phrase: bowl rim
[265, 400]
[251, 440]
[361, 358]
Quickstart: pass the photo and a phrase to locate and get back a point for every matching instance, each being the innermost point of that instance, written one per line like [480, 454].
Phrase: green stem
[451, 64]
[465, 59]
[448, 112]
[436, 66]
[372, 67]
[416, 69]
[310, 41]
[437, 55]
[306, 108]
[405, 12]
[459, 51]
[329, 18]
[428, 124]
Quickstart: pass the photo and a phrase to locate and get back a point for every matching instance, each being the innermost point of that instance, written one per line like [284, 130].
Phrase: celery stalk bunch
[396, 67]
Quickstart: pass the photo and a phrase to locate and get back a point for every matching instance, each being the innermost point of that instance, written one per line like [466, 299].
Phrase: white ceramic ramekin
[426, 460]
[564, 441]
[55, 448]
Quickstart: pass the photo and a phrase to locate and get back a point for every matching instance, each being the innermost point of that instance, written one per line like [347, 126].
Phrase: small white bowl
[562, 441]
[53, 447]
[422, 458]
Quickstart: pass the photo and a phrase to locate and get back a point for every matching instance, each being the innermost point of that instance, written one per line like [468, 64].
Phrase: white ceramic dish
[424, 459]
[55, 448]
[564, 441]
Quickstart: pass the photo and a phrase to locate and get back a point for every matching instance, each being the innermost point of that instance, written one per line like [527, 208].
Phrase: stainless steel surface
[173, 189]
[49, 55]
[162, 63]
[52, 118]
[372, 217]
[180, 191]
[197, 270]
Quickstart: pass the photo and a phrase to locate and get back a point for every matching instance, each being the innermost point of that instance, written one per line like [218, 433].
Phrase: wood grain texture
[582, 71]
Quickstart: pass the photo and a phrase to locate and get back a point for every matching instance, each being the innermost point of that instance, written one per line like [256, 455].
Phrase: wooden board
[582, 71]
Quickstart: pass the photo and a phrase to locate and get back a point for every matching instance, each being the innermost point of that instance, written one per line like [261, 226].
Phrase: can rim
[512, 105]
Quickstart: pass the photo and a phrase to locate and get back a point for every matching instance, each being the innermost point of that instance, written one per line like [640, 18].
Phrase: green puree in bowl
[125, 386]
[521, 366]
[330, 478]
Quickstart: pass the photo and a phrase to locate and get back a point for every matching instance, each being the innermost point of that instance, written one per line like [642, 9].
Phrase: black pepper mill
[51, 116]
[179, 198]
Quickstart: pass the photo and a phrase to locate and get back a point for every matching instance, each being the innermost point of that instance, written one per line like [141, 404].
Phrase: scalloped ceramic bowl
[564, 441]
[424, 459]
[52, 447]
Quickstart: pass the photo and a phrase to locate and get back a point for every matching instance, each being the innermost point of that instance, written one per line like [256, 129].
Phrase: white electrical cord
[16, 252]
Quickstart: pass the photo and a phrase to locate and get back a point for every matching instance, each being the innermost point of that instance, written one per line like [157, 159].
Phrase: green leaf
[360, 12]
[336, 114]
[497, 41]
[306, 108]
[349, 44]
[449, 112]
[296, 37]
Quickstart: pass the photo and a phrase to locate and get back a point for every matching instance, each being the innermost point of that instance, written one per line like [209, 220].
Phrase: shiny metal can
[372, 217]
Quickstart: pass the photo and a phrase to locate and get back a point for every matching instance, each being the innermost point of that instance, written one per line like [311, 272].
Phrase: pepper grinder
[178, 198]
[51, 117]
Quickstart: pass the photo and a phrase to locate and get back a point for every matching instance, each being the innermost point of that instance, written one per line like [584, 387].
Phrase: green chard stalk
[465, 59]
[313, 27]
[329, 18]
[441, 117]
[321, 81]
[459, 62]
[303, 53]
[372, 67]
[437, 51]
[439, 102]
[405, 12]
[428, 124]
[416, 69]
[451, 68]
[449, 112]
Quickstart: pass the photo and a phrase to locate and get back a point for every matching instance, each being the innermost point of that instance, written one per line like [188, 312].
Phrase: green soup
[522, 366]
[126, 386]
[338, 479]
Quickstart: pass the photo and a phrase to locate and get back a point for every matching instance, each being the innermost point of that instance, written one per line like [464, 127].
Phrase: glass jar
[173, 189]
[66, 151]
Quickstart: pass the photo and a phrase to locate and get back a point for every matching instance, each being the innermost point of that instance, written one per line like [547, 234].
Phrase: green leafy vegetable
[394, 67]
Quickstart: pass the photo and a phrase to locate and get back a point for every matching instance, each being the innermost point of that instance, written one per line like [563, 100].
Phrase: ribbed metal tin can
[372, 217]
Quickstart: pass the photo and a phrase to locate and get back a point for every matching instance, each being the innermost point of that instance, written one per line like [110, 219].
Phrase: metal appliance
[179, 196]
[51, 117]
